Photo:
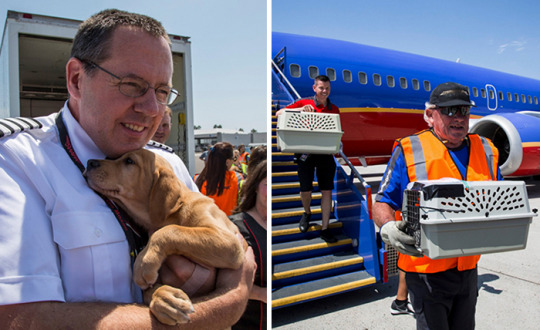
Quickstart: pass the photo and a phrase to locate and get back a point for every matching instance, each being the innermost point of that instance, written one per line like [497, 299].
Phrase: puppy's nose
[93, 163]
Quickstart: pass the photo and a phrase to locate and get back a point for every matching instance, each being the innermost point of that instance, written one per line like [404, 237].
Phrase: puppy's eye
[129, 161]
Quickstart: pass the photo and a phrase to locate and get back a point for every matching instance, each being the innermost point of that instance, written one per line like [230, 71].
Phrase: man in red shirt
[308, 163]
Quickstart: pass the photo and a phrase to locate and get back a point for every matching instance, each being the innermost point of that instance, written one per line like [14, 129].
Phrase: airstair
[305, 267]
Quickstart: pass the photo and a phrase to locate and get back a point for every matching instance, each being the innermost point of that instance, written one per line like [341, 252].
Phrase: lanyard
[136, 236]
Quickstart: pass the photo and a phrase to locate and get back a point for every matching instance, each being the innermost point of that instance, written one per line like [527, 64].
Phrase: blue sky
[495, 34]
[228, 47]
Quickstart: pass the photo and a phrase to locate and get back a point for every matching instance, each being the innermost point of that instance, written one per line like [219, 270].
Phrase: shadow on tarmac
[482, 279]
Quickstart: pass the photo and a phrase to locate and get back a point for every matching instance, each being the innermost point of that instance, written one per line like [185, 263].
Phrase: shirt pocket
[94, 256]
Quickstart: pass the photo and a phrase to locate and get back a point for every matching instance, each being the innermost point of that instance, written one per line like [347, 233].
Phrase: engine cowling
[517, 136]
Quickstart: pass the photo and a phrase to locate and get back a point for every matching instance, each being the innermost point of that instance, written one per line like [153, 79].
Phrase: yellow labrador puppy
[179, 222]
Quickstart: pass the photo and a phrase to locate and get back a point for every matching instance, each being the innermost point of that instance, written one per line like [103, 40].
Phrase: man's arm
[258, 293]
[382, 213]
[220, 309]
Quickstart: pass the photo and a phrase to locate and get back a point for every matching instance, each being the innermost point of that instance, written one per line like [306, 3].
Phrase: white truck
[33, 55]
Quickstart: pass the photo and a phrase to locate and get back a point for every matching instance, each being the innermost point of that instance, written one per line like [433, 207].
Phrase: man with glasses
[443, 291]
[66, 253]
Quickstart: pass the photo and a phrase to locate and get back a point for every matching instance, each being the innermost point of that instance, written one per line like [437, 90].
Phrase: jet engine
[517, 136]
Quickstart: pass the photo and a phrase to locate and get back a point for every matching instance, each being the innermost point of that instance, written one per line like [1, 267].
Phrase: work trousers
[444, 300]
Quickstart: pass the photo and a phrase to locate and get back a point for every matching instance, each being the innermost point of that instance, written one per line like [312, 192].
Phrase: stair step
[311, 269]
[314, 265]
[294, 200]
[290, 251]
[290, 231]
[293, 214]
[289, 176]
[294, 197]
[287, 173]
[303, 292]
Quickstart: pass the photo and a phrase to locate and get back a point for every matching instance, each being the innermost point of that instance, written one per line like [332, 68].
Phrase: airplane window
[523, 98]
[390, 81]
[295, 70]
[501, 95]
[347, 76]
[377, 79]
[491, 94]
[483, 93]
[415, 84]
[509, 96]
[313, 72]
[535, 100]
[516, 97]
[403, 82]
[427, 85]
[530, 99]
[475, 91]
[331, 73]
[362, 77]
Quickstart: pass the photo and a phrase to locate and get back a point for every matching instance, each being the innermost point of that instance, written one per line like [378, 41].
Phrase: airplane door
[491, 96]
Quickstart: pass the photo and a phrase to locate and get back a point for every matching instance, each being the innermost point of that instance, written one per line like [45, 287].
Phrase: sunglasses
[454, 110]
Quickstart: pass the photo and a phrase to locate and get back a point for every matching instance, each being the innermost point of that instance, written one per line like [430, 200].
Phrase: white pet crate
[309, 132]
[451, 218]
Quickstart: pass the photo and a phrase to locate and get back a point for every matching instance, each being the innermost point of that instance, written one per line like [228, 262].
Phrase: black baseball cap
[450, 93]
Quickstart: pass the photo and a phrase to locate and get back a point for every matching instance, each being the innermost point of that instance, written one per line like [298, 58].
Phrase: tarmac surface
[508, 296]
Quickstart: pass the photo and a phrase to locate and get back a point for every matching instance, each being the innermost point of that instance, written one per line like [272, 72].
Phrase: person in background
[204, 154]
[443, 291]
[401, 304]
[66, 253]
[237, 166]
[258, 154]
[250, 217]
[164, 128]
[325, 165]
[217, 180]
[244, 155]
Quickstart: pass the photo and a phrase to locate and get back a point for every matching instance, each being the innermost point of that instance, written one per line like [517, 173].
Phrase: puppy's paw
[145, 269]
[171, 305]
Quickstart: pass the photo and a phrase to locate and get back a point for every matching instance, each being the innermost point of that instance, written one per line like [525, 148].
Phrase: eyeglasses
[453, 110]
[135, 87]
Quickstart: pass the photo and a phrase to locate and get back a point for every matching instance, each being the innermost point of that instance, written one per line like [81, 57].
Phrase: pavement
[509, 289]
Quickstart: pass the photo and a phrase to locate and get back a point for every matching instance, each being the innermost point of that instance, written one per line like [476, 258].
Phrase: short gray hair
[428, 106]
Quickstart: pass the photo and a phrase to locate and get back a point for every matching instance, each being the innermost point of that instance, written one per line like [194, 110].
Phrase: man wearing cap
[443, 291]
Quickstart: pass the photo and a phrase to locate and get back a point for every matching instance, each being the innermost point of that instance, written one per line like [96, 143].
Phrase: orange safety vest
[227, 201]
[427, 158]
[244, 157]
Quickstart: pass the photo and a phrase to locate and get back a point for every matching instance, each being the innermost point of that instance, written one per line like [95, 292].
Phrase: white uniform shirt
[58, 239]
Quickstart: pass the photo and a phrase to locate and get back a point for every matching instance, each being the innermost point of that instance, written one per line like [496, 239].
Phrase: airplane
[381, 94]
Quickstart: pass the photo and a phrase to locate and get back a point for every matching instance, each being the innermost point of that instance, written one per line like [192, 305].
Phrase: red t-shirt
[319, 107]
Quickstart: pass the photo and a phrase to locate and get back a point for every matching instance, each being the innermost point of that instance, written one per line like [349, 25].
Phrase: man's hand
[180, 272]
[308, 108]
[392, 233]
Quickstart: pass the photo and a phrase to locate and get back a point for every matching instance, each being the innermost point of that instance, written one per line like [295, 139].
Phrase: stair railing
[354, 173]
[288, 84]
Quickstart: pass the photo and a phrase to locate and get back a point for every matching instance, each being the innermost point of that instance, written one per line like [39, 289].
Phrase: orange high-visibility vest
[228, 199]
[427, 158]
[244, 157]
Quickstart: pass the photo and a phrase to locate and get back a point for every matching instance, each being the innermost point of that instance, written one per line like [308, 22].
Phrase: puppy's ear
[165, 195]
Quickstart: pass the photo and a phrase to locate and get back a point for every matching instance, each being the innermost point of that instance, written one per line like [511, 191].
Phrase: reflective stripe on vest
[483, 158]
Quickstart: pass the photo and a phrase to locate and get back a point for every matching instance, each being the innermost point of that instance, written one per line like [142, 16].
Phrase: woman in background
[251, 220]
[217, 180]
